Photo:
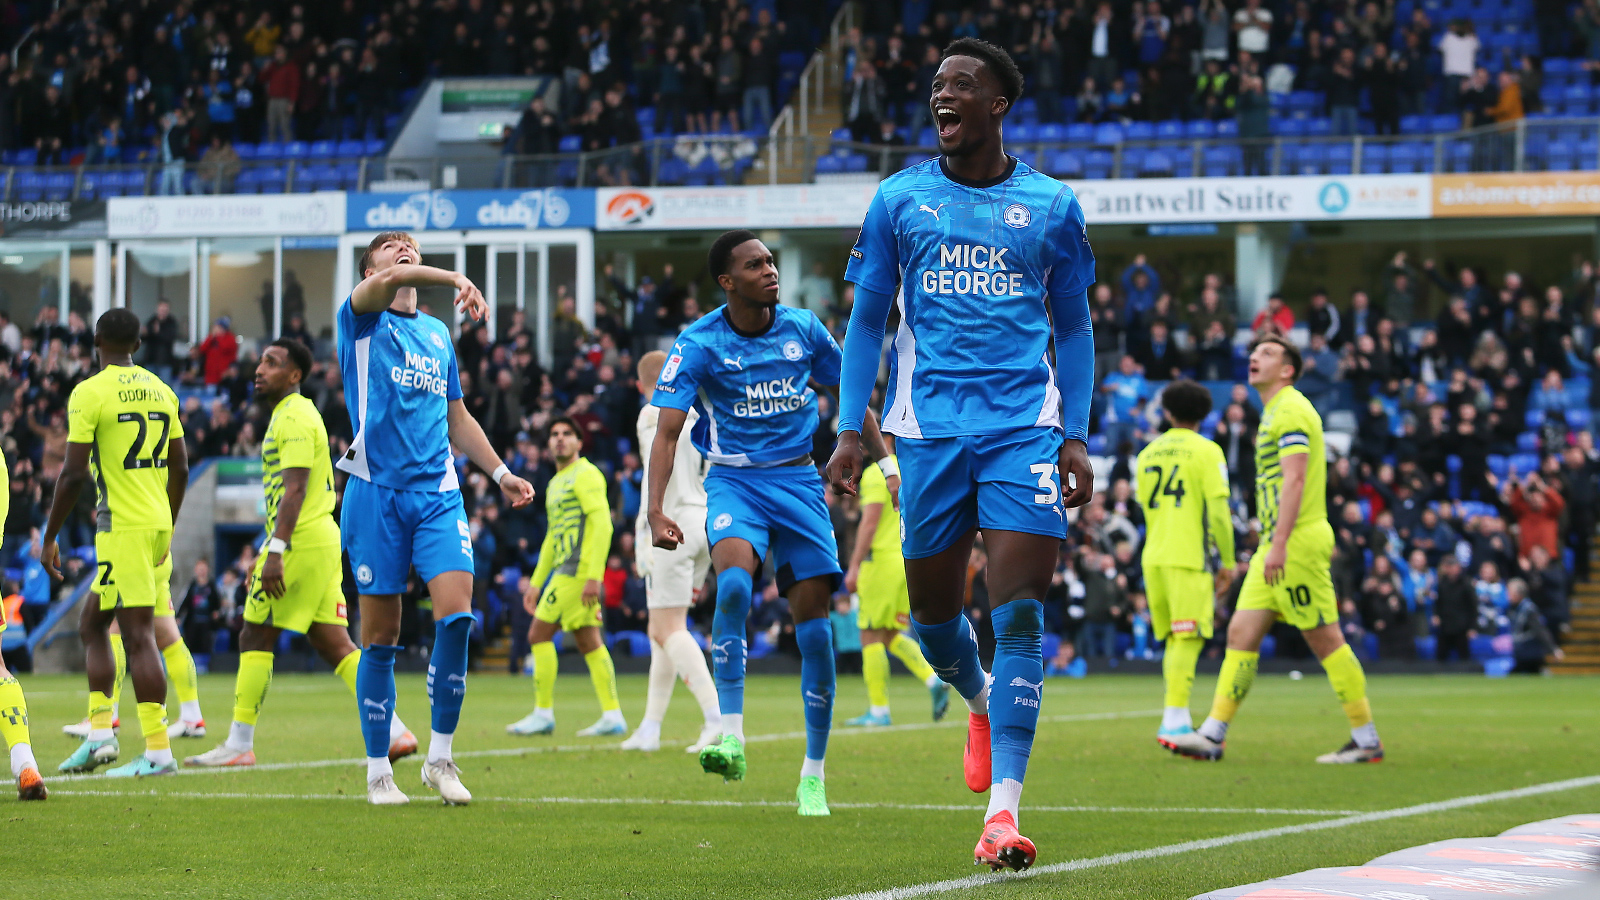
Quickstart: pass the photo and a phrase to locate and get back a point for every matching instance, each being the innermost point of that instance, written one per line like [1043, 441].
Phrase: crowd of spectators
[1155, 60]
[175, 80]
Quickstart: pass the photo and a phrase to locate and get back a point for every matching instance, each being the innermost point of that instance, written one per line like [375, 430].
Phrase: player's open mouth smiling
[949, 121]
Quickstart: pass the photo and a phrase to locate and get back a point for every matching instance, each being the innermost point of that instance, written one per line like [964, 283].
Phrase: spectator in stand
[1537, 508]
[1459, 49]
[1323, 318]
[281, 80]
[202, 609]
[1126, 390]
[217, 352]
[1455, 615]
[1531, 639]
[1275, 318]
[1141, 285]
[160, 333]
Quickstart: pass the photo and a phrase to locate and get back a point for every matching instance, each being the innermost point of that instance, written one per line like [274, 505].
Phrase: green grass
[307, 832]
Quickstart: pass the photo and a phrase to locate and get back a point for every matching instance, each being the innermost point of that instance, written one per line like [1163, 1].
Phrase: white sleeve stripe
[1294, 438]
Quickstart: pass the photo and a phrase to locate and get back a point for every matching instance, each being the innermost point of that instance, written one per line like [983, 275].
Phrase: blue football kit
[758, 414]
[992, 368]
[402, 503]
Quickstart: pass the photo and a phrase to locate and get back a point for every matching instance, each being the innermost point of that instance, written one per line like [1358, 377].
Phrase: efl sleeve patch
[1294, 442]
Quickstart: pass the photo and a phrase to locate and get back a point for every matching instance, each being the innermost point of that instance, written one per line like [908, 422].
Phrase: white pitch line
[1116, 859]
[583, 748]
[644, 801]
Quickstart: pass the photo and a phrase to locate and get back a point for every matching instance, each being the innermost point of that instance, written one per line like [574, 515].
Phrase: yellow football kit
[128, 416]
[1304, 596]
[575, 544]
[881, 584]
[1182, 483]
[297, 439]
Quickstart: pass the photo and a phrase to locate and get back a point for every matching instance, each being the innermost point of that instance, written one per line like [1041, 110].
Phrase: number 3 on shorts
[1047, 480]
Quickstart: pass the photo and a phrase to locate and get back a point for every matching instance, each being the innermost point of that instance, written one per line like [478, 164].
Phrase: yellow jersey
[578, 525]
[1181, 481]
[128, 416]
[297, 439]
[1290, 425]
[875, 489]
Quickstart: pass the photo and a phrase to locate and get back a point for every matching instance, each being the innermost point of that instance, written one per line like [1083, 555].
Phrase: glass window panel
[242, 278]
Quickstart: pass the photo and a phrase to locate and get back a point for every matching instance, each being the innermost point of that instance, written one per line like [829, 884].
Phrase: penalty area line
[154, 794]
[588, 748]
[1116, 859]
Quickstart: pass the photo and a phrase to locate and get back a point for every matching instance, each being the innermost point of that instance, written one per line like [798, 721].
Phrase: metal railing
[794, 120]
[1529, 145]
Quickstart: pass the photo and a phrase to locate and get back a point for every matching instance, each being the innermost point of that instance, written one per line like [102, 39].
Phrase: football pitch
[566, 817]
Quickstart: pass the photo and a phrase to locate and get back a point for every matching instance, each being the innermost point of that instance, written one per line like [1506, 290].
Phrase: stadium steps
[820, 124]
[496, 654]
[1582, 644]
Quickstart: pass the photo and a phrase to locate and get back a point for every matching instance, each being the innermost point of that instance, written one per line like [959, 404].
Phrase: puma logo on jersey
[734, 363]
[933, 212]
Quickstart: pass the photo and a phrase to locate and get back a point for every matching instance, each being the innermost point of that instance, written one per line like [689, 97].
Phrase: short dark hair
[1186, 401]
[1290, 352]
[382, 238]
[722, 250]
[995, 59]
[568, 421]
[119, 327]
[299, 354]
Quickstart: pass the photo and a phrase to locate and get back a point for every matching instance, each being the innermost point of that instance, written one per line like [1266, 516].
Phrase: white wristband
[889, 467]
[276, 545]
[500, 473]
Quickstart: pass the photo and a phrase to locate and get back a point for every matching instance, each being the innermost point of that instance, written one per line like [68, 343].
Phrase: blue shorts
[388, 531]
[1003, 482]
[781, 507]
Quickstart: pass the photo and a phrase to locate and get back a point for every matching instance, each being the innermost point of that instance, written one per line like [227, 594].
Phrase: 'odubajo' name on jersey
[399, 378]
[975, 266]
[756, 408]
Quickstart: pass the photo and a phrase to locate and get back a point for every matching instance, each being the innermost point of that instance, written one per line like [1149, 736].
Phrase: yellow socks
[121, 656]
[1350, 684]
[153, 723]
[910, 653]
[544, 675]
[346, 670]
[102, 712]
[180, 671]
[1177, 668]
[1233, 683]
[250, 687]
[14, 725]
[602, 672]
[875, 672]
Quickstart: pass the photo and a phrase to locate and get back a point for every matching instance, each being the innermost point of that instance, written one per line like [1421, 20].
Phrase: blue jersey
[399, 375]
[756, 408]
[983, 272]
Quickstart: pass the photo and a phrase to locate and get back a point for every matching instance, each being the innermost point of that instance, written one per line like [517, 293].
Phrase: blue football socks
[952, 649]
[734, 587]
[447, 670]
[375, 698]
[815, 638]
[1018, 688]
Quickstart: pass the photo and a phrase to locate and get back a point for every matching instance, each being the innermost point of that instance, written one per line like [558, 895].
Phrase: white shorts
[671, 576]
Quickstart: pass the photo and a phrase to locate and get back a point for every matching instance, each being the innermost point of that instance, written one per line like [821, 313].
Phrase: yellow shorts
[312, 594]
[562, 604]
[1304, 597]
[1181, 601]
[885, 600]
[128, 562]
[164, 608]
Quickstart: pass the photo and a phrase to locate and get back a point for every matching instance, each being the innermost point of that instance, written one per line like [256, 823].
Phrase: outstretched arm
[663, 453]
[466, 433]
[1073, 336]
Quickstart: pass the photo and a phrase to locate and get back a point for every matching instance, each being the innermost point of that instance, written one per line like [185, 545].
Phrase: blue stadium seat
[1523, 463]
[1533, 418]
[1217, 162]
[1374, 159]
[1289, 127]
[1097, 164]
[29, 186]
[1063, 164]
[1170, 130]
[1558, 157]
[1458, 156]
[376, 146]
[1528, 442]
[1109, 133]
[1201, 129]
[321, 150]
[1414, 125]
[1022, 132]
[269, 151]
[350, 148]
[1319, 126]
[1157, 164]
[1407, 157]
[1055, 133]
[1080, 133]
[1305, 103]
[572, 143]
[247, 152]
[1445, 123]
[928, 137]
[57, 186]
[1497, 465]
[1139, 131]
[1131, 160]
[829, 164]
[1341, 157]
